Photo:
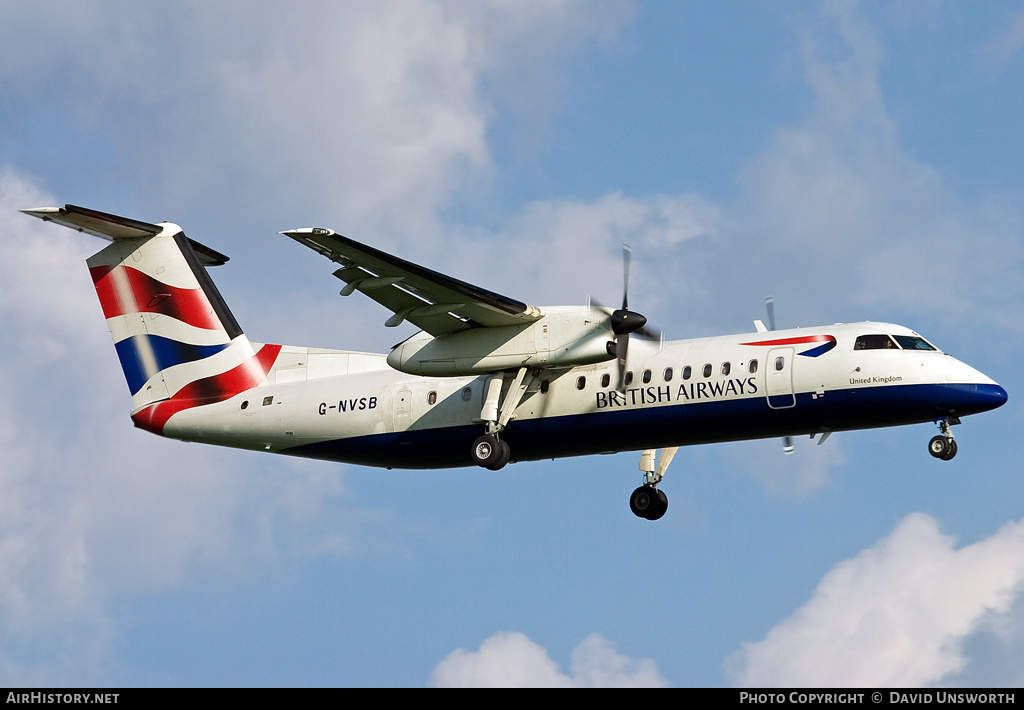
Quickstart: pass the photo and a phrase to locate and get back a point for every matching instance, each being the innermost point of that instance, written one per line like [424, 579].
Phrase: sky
[857, 160]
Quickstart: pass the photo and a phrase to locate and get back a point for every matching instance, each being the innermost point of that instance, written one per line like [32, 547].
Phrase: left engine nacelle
[563, 337]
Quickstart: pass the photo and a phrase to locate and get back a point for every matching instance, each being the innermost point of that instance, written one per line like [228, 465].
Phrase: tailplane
[178, 343]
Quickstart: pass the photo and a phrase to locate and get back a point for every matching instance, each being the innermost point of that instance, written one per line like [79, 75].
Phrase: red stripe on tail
[209, 390]
[148, 295]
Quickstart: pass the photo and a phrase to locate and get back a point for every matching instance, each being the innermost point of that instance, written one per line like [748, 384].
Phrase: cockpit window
[875, 342]
[913, 342]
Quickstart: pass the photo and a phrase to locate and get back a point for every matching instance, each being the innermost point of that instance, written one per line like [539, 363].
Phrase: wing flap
[430, 300]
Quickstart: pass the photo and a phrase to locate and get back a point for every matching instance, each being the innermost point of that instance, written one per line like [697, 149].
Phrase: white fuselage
[353, 407]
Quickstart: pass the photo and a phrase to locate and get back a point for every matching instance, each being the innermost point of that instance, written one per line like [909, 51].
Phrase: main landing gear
[489, 451]
[944, 446]
[647, 501]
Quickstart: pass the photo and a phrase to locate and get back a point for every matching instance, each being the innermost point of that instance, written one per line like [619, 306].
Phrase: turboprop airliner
[488, 379]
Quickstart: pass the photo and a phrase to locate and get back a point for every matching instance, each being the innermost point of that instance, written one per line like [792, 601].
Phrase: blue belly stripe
[638, 428]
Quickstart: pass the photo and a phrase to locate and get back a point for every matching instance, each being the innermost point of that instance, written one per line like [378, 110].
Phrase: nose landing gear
[944, 446]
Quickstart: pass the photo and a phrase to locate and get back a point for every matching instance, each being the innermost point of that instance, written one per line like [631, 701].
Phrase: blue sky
[857, 160]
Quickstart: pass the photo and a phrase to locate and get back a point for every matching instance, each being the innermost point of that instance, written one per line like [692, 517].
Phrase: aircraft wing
[431, 301]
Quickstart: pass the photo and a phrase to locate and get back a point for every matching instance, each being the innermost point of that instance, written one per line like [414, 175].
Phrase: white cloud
[371, 113]
[567, 249]
[897, 614]
[512, 660]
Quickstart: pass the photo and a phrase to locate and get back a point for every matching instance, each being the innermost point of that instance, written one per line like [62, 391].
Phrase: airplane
[489, 379]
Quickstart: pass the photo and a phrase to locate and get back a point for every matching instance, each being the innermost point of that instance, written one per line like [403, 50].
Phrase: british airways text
[686, 392]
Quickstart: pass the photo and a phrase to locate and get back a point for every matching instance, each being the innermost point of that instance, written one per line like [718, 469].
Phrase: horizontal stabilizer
[112, 227]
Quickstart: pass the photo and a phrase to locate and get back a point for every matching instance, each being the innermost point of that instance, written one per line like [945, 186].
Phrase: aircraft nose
[981, 397]
[995, 395]
[973, 391]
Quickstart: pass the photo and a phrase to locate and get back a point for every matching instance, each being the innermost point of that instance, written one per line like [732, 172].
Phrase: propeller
[769, 304]
[625, 322]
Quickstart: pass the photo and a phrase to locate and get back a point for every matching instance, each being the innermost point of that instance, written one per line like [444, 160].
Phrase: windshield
[913, 342]
[874, 342]
[880, 341]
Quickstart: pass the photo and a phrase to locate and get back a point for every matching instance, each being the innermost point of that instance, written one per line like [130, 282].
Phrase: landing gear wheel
[490, 452]
[648, 502]
[942, 447]
[503, 459]
[662, 506]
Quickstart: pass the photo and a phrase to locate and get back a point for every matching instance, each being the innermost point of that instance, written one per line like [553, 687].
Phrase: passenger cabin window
[726, 368]
[875, 342]
[581, 382]
[687, 371]
[752, 367]
[646, 376]
[668, 374]
[780, 363]
[432, 398]
[544, 385]
[913, 342]
[467, 394]
[606, 379]
[629, 378]
[707, 370]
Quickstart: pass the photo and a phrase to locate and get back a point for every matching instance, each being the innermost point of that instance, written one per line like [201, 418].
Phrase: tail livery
[178, 343]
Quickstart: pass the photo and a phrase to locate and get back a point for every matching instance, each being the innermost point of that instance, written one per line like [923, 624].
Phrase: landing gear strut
[944, 446]
[489, 450]
[647, 501]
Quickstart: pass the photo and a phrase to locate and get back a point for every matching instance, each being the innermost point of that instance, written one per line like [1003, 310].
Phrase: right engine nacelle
[566, 336]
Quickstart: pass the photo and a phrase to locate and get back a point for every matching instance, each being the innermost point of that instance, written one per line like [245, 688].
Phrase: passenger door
[779, 378]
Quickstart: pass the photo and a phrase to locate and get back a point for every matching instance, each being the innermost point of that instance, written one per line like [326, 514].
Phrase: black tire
[506, 454]
[661, 507]
[648, 502]
[951, 452]
[486, 451]
[939, 447]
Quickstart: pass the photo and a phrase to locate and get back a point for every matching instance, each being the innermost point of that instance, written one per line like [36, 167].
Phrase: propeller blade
[621, 353]
[627, 252]
[648, 333]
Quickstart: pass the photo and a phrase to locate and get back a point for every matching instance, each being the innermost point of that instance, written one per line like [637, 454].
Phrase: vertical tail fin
[178, 343]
